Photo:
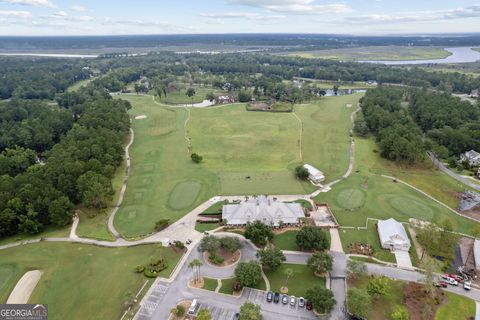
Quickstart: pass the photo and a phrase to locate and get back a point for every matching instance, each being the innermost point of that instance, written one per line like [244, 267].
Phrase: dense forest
[55, 157]
[407, 122]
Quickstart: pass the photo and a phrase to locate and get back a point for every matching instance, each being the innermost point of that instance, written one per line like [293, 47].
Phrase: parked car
[455, 277]
[236, 316]
[276, 297]
[309, 305]
[449, 280]
[301, 302]
[284, 299]
[441, 284]
[467, 285]
[269, 296]
[293, 301]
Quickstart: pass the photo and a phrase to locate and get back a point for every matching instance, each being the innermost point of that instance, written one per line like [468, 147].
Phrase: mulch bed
[229, 258]
[360, 248]
[416, 298]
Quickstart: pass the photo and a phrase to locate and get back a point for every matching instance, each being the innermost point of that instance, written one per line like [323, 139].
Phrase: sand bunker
[24, 288]
[349, 105]
[141, 117]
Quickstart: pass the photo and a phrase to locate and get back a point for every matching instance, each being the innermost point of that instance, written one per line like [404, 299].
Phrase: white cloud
[141, 23]
[15, 14]
[241, 15]
[294, 6]
[420, 16]
[85, 18]
[36, 3]
[78, 8]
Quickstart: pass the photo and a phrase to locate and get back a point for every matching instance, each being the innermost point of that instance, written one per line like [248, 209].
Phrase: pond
[458, 55]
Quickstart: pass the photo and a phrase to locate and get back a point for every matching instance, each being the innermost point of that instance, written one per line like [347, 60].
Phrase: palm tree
[195, 266]
[288, 273]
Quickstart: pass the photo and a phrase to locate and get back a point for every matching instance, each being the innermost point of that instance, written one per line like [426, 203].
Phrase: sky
[119, 17]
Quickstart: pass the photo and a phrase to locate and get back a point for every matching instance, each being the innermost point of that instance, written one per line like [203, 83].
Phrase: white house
[471, 157]
[265, 209]
[393, 235]
[315, 175]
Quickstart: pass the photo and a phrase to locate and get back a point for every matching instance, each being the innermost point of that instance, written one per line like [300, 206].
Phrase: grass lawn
[457, 308]
[77, 85]
[286, 241]
[202, 227]
[49, 232]
[235, 144]
[80, 280]
[215, 208]
[227, 286]
[382, 307]
[301, 280]
[210, 284]
[326, 139]
[377, 53]
[366, 194]
[179, 97]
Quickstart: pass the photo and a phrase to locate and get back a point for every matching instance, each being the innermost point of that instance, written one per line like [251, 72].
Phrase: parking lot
[151, 302]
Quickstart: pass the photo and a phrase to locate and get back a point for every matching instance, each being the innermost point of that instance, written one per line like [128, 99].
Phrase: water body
[459, 55]
[49, 55]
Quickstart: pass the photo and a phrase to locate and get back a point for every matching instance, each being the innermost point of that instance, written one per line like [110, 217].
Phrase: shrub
[178, 311]
[301, 173]
[139, 268]
[161, 224]
[196, 158]
[230, 244]
[179, 244]
[216, 259]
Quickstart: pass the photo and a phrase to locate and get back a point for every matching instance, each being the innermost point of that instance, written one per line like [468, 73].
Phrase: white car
[449, 280]
[293, 301]
[467, 285]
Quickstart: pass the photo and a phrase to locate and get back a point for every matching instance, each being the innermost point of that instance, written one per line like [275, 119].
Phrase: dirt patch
[360, 248]
[141, 117]
[418, 302]
[199, 284]
[473, 213]
[24, 288]
[228, 257]
[283, 230]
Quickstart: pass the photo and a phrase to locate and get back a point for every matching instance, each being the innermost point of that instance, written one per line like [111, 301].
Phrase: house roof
[264, 209]
[392, 230]
[313, 171]
[472, 154]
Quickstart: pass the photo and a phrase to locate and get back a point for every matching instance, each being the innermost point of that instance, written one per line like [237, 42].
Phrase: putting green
[184, 194]
[350, 198]
[411, 207]
[7, 273]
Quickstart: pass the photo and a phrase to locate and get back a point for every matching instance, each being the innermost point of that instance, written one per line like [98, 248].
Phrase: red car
[309, 305]
[455, 277]
[439, 284]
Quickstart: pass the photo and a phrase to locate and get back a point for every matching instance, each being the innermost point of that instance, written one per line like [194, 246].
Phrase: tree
[250, 311]
[210, 96]
[321, 299]
[248, 273]
[301, 173]
[95, 190]
[289, 274]
[258, 232]
[128, 299]
[356, 269]
[196, 157]
[60, 211]
[400, 313]
[438, 241]
[271, 258]
[360, 126]
[209, 244]
[204, 314]
[244, 96]
[159, 93]
[378, 286]
[195, 266]
[312, 238]
[178, 311]
[320, 262]
[190, 93]
[230, 244]
[358, 302]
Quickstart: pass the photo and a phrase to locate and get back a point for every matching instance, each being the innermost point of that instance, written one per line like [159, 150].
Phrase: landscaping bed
[229, 258]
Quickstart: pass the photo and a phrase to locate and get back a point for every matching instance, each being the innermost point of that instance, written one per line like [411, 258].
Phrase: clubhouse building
[265, 209]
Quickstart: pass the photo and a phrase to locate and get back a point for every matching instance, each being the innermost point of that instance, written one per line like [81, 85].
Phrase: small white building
[393, 235]
[315, 175]
[471, 157]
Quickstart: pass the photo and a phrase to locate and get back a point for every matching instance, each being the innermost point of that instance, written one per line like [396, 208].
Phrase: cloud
[85, 18]
[15, 14]
[78, 8]
[36, 3]
[294, 6]
[420, 16]
[242, 15]
[141, 23]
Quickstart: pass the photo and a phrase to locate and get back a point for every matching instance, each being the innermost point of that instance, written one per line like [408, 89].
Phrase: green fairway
[298, 284]
[377, 53]
[244, 153]
[366, 194]
[79, 281]
[326, 138]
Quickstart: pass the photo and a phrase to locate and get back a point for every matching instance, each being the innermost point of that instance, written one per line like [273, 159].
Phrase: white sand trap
[141, 117]
[24, 288]
[349, 105]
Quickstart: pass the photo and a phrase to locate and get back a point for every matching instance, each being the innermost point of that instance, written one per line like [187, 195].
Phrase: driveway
[403, 259]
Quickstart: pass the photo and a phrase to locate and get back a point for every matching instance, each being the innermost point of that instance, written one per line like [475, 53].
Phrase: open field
[298, 284]
[79, 84]
[457, 307]
[244, 153]
[48, 232]
[80, 280]
[366, 194]
[376, 53]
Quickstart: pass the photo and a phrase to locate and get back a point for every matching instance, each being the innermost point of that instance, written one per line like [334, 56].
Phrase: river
[458, 55]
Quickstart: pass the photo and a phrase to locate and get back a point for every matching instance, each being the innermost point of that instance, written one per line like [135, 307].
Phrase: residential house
[393, 235]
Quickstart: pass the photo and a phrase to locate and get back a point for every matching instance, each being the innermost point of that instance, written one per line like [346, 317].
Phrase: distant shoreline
[50, 55]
